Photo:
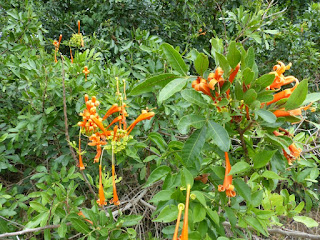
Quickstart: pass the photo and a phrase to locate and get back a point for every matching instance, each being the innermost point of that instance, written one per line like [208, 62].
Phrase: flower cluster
[56, 45]
[101, 137]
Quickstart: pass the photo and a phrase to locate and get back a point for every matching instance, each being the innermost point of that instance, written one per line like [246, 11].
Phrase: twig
[12, 222]
[30, 230]
[148, 205]
[285, 232]
[73, 154]
[148, 149]
[311, 150]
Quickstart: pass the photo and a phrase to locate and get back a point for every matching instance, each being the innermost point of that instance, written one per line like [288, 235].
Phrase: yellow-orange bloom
[80, 157]
[295, 112]
[115, 199]
[184, 233]
[283, 94]
[82, 215]
[143, 116]
[102, 200]
[180, 208]
[227, 183]
[113, 109]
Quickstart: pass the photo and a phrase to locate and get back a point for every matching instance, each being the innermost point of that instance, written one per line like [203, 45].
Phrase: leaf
[157, 174]
[79, 225]
[158, 140]
[253, 222]
[149, 84]
[62, 230]
[213, 215]
[249, 96]
[174, 59]
[219, 136]
[200, 197]
[194, 120]
[3, 137]
[168, 214]
[271, 175]
[194, 97]
[223, 62]
[249, 60]
[243, 189]
[199, 213]
[266, 115]
[265, 80]
[247, 76]
[312, 97]
[192, 147]
[38, 207]
[233, 55]
[309, 222]
[171, 88]
[262, 158]
[201, 63]
[186, 178]
[164, 195]
[131, 220]
[298, 96]
[239, 167]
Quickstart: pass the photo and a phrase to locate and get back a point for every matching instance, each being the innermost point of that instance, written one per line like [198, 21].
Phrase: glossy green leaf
[192, 147]
[164, 195]
[239, 167]
[131, 220]
[213, 215]
[254, 222]
[194, 97]
[219, 135]
[38, 206]
[243, 189]
[79, 225]
[233, 55]
[223, 62]
[266, 115]
[298, 96]
[3, 137]
[186, 178]
[247, 76]
[309, 222]
[157, 174]
[62, 230]
[311, 97]
[193, 120]
[158, 140]
[171, 88]
[261, 159]
[271, 175]
[174, 58]
[199, 213]
[249, 96]
[168, 214]
[149, 84]
[265, 80]
[249, 60]
[201, 63]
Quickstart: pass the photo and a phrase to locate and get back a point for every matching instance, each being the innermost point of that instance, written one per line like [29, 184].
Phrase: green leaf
[262, 158]
[249, 60]
[312, 97]
[164, 195]
[253, 222]
[247, 76]
[266, 115]
[200, 197]
[298, 96]
[239, 167]
[265, 80]
[157, 174]
[199, 213]
[243, 189]
[233, 55]
[174, 59]
[62, 230]
[201, 63]
[219, 135]
[194, 120]
[149, 84]
[231, 216]
[131, 220]
[309, 222]
[172, 88]
[168, 214]
[158, 140]
[79, 225]
[213, 215]
[192, 147]
[186, 178]
[38, 207]
[249, 96]
[194, 97]
[223, 62]
[37, 220]
[3, 137]
[271, 175]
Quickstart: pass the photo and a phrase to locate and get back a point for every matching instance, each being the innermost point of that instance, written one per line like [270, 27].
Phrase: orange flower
[80, 157]
[180, 208]
[294, 153]
[115, 199]
[113, 109]
[227, 183]
[86, 71]
[143, 116]
[82, 215]
[295, 112]
[184, 233]
[102, 200]
[279, 79]
[283, 94]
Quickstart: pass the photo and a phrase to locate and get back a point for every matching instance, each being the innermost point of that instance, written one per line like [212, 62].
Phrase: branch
[284, 231]
[73, 154]
[30, 230]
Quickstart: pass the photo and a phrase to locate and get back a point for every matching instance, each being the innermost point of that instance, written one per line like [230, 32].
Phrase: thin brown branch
[30, 230]
[73, 154]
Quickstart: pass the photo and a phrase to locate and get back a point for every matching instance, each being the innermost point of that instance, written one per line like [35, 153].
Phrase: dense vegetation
[155, 119]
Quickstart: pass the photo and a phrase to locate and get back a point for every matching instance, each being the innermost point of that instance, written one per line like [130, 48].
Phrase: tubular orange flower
[295, 112]
[71, 56]
[283, 94]
[86, 71]
[184, 233]
[227, 183]
[234, 73]
[115, 195]
[80, 157]
[180, 208]
[143, 116]
[100, 125]
[78, 26]
[82, 215]
[117, 119]
[102, 200]
[113, 109]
